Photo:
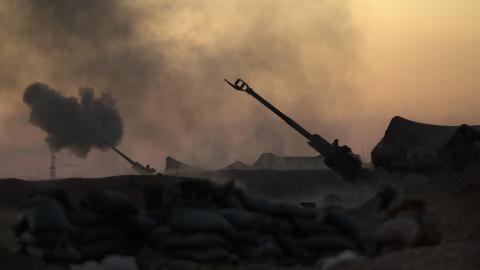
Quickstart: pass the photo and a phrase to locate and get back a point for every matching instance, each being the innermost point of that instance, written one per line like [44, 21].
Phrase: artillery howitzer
[144, 170]
[338, 158]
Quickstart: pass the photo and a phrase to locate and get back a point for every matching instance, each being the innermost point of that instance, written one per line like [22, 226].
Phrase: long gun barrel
[338, 158]
[136, 166]
[122, 154]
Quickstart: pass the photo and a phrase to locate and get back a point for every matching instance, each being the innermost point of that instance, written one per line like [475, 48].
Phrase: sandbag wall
[50, 226]
[194, 220]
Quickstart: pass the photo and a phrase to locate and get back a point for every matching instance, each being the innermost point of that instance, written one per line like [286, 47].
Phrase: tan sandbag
[199, 220]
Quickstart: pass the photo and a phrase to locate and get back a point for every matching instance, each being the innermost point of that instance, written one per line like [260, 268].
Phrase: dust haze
[165, 62]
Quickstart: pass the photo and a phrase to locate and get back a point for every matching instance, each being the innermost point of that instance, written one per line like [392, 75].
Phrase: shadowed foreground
[453, 197]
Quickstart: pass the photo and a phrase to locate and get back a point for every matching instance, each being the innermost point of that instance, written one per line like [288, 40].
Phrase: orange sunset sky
[342, 69]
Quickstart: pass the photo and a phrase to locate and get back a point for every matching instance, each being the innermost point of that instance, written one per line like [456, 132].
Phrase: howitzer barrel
[338, 158]
[242, 86]
[325, 146]
[136, 166]
[121, 154]
[285, 118]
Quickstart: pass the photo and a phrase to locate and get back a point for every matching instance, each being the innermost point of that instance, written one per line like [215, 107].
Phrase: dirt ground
[453, 197]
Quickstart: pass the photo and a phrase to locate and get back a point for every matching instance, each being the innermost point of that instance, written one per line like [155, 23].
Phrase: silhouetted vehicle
[339, 158]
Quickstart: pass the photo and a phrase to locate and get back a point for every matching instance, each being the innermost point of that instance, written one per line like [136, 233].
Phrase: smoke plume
[78, 125]
[166, 61]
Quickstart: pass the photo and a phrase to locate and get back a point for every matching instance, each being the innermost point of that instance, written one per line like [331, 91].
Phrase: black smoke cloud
[167, 60]
[76, 124]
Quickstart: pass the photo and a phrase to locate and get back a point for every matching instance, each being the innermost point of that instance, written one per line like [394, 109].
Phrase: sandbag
[46, 214]
[288, 261]
[198, 220]
[205, 255]
[333, 200]
[109, 202]
[112, 262]
[43, 239]
[293, 247]
[21, 224]
[196, 241]
[34, 251]
[59, 194]
[341, 259]
[153, 197]
[97, 250]
[243, 219]
[228, 196]
[89, 235]
[277, 225]
[84, 217]
[62, 253]
[259, 204]
[430, 229]
[310, 226]
[246, 220]
[247, 238]
[268, 250]
[140, 224]
[345, 225]
[230, 200]
[329, 242]
[157, 235]
[294, 211]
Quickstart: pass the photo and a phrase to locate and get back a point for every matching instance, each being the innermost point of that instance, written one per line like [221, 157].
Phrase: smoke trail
[79, 125]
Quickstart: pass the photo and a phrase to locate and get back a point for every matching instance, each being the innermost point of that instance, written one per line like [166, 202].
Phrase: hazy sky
[343, 69]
